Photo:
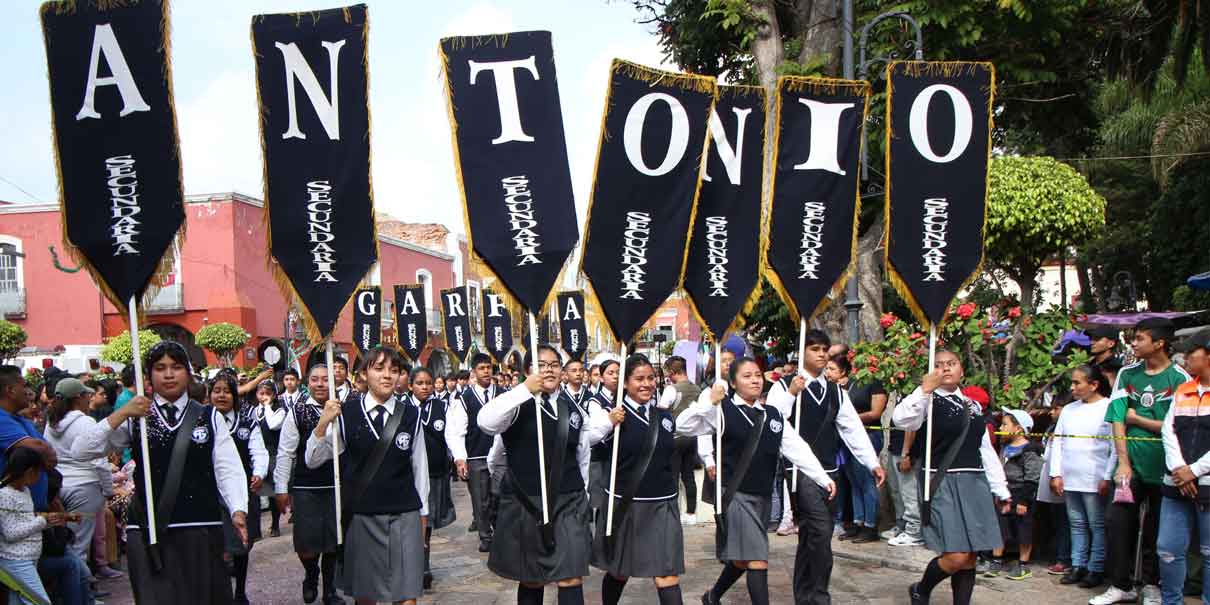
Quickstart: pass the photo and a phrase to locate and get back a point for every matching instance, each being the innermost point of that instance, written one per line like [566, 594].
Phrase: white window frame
[424, 277]
[18, 261]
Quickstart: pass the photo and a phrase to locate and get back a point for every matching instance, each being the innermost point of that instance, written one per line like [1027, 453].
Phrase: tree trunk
[820, 25]
[869, 281]
[767, 48]
[1086, 296]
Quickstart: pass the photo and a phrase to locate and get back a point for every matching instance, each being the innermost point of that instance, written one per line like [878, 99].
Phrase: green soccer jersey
[1149, 395]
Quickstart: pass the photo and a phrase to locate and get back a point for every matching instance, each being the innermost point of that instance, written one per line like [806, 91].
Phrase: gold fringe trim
[70, 7]
[947, 69]
[283, 281]
[823, 86]
[642, 73]
[461, 42]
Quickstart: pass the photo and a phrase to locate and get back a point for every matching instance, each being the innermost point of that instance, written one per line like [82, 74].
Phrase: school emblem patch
[201, 434]
[243, 433]
[403, 441]
[1147, 399]
[575, 420]
[775, 426]
[667, 424]
[439, 425]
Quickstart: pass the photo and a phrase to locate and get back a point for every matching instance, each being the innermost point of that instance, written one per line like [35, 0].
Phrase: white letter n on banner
[732, 157]
[105, 42]
[632, 134]
[506, 95]
[825, 136]
[328, 110]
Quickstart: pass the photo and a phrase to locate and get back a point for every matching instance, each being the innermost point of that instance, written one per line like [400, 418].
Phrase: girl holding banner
[524, 548]
[754, 438]
[647, 541]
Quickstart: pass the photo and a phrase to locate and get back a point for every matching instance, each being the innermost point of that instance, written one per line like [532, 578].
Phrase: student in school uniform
[291, 392]
[647, 541]
[574, 387]
[828, 420]
[432, 418]
[469, 444]
[386, 494]
[269, 416]
[598, 468]
[245, 431]
[748, 471]
[524, 550]
[340, 378]
[186, 566]
[309, 493]
[960, 518]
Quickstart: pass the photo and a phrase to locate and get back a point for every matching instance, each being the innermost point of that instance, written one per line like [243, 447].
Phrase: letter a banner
[367, 318]
[815, 198]
[511, 156]
[311, 80]
[497, 325]
[118, 157]
[649, 161]
[411, 320]
[724, 254]
[457, 322]
[573, 331]
[939, 124]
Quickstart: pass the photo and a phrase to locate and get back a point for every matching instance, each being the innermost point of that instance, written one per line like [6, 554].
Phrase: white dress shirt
[705, 450]
[669, 398]
[287, 444]
[289, 399]
[228, 469]
[911, 414]
[497, 457]
[500, 413]
[457, 420]
[256, 443]
[319, 450]
[701, 418]
[273, 418]
[848, 423]
[1082, 463]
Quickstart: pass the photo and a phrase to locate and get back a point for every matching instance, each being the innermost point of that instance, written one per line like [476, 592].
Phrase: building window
[12, 279]
[424, 278]
[9, 270]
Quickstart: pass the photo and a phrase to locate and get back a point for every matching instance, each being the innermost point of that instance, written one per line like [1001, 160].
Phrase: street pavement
[868, 573]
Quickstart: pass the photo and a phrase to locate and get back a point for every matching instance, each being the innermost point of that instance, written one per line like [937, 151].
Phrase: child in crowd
[22, 527]
[1022, 461]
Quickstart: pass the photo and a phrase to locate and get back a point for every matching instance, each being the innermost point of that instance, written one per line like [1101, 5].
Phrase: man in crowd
[292, 394]
[676, 397]
[1104, 351]
[469, 445]
[573, 386]
[340, 378]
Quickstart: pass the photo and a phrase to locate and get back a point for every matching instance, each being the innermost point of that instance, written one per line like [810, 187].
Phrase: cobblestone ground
[870, 574]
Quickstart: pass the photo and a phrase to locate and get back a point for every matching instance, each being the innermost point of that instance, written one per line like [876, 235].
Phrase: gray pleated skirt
[315, 524]
[648, 543]
[964, 514]
[384, 557]
[267, 486]
[441, 502]
[598, 477]
[231, 539]
[747, 538]
[518, 552]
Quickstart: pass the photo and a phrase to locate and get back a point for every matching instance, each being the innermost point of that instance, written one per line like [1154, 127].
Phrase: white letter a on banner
[106, 43]
[825, 136]
[327, 109]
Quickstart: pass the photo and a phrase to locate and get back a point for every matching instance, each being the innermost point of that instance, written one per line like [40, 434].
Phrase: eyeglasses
[549, 365]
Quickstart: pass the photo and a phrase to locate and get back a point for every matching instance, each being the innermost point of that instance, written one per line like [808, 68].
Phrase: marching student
[469, 444]
[290, 381]
[594, 379]
[439, 388]
[526, 550]
[647, 540]
[598, 468]
[960, 518]
[192, 452]
[245, 430]
[441, 500]
[828, 420]
[269, 416]
[340, 378]
[309, 493]
[574, 387]
[754, 439]
[386, 497]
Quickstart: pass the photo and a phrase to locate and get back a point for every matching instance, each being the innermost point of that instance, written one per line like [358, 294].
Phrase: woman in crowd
[102, 403]
[869, 400]
[646, 541]
[245, 430]
[960, 517]
[598, 469]
[269, 414]
[432, 418]
[743, 544]
[1080, 471]
[439, 388]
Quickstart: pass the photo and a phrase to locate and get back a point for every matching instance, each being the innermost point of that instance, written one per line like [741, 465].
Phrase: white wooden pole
[335, 432]
[718, 431]
[533, 347]
[144, 448]
[617, 437]
[802, 345]
[928, 433]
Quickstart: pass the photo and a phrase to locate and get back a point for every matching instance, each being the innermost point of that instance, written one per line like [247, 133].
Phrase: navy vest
[306, 418]
[198, 501]
[824, 440]
[241, 433]
[521, 445]
[393, 488]
[659, 482]
[432, 418]
[478, 443]
[758, 481]
[601, 452]
[949, 412]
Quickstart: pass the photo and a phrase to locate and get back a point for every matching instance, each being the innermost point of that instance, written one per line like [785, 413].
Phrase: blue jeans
[864, 492]
[71, 578]
[1177, 519]
[25, 574]
[1086, 516]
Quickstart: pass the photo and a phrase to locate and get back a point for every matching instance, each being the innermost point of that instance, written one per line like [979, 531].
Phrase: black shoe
[428, 581]
[310, 590]
[473, 527]
[1073, 575]
[850, 533]
[275, 533]
[1092, 580]
[708, 598]
[914, 596]
[333, 599]
[866, 535]
[485, 545]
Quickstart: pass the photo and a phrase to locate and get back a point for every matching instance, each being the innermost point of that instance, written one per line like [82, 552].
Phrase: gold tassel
[642, 73]
[823, 86]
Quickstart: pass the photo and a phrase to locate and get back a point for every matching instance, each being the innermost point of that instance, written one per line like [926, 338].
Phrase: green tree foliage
[12, 339]
[1036, 207]
[1180, 226]
[1149, 33]
[770, 322]
[117, 349]
[223, 339]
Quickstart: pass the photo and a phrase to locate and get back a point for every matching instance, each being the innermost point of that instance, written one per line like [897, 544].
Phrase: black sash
[926, 507]
[166, 504]
[554, 474]
[737, 477]
[636, 476]
[369, 467]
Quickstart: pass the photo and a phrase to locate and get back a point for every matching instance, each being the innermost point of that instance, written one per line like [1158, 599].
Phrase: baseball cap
[1022, 419]
[70, 388]
[1098, 332]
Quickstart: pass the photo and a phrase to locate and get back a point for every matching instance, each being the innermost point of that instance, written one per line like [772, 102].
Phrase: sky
[413, 174]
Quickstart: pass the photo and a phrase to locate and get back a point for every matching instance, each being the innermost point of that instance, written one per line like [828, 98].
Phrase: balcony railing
[169, 299]
[12, 301]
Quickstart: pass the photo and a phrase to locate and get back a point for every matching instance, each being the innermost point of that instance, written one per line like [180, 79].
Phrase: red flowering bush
[887, 320]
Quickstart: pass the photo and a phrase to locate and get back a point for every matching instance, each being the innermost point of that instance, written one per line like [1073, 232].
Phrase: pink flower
[965, 310]
[887, 320]
[1014, 312]
[917, 335]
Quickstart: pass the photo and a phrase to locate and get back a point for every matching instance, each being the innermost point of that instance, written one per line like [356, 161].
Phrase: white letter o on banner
[963, 123]
[632, 135]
